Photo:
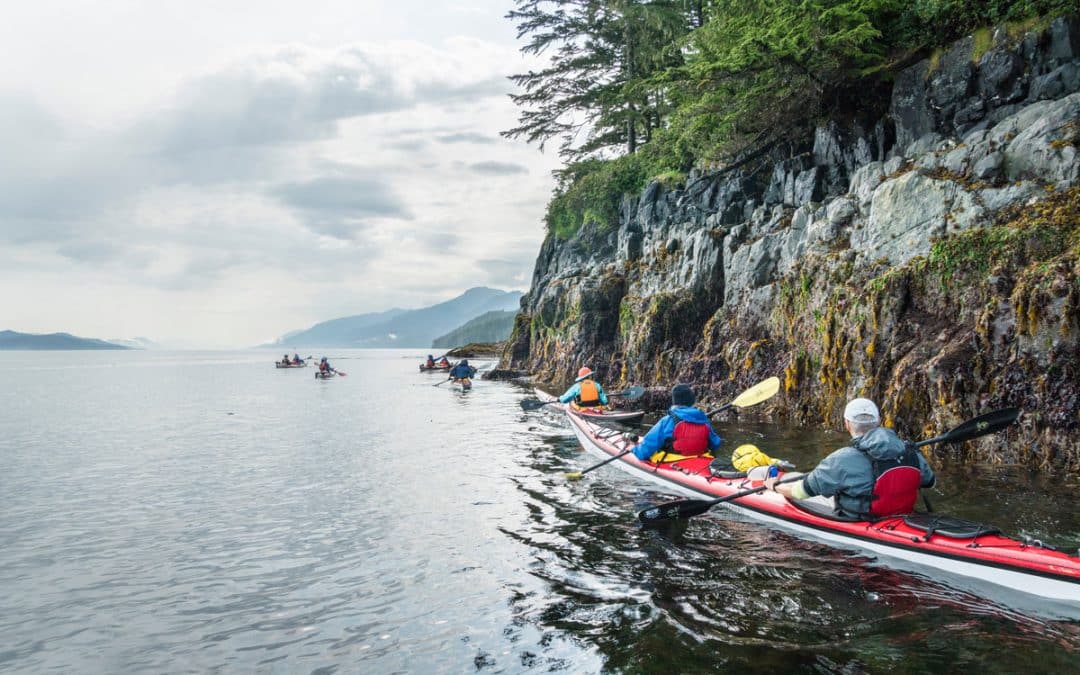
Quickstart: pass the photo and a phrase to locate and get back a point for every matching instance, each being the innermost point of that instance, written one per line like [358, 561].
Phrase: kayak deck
[986, 555]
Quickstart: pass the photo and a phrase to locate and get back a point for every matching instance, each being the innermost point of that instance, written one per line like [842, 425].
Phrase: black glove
[630, 437]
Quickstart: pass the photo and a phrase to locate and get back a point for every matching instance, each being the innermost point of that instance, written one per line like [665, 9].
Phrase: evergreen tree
[594, 93]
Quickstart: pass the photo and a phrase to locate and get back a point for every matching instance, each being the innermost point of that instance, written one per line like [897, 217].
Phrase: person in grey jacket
[849, 474]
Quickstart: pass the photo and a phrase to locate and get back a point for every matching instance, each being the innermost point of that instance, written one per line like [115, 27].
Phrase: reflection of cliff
[930, 261]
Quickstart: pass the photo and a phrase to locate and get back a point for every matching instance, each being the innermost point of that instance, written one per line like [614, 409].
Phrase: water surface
[204, 512]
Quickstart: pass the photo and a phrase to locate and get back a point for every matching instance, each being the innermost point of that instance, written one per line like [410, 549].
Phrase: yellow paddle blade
[573, 475]
[761, 391]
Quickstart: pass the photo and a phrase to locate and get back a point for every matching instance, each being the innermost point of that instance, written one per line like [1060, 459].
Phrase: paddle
[628, 394]
[761, 391]
[686, 508]
[443, 382]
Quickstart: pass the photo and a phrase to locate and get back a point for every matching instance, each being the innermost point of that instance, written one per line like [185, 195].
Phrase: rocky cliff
[929, 260]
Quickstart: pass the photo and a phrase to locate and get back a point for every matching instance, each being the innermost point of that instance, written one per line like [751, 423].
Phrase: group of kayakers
[431, 363]
[461, 373]
[876, 474]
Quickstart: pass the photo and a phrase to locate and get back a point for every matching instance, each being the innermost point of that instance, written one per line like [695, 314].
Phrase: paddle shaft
[752, 491]
[720, 409]
[606, 461]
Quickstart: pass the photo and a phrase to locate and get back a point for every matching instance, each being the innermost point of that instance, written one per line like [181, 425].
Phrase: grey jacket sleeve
[836, 472]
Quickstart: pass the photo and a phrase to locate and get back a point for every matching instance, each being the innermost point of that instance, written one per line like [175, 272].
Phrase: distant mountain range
[489, 327]
[9, 339]
[135, 343]
[404, 327]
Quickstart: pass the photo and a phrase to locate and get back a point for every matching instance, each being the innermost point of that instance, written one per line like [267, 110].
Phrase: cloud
[352, 196]
[296, 93]
[342, 207]
[492, 168]
[282, 174]
[507, 273]
[465, 137]
[408, 145]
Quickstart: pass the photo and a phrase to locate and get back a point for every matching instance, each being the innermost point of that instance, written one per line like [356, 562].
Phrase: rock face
[929, 261]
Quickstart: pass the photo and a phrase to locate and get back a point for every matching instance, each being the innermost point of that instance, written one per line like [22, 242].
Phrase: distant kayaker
[462, 371]
[585, 392]
[296, 359]
[685, 431]
[443, 362]
[324, 366]
[877, 475]
[430, 363]
[285, 360]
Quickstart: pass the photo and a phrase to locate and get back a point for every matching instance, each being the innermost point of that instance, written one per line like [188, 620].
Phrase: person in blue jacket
[462, 371]
[684, 431]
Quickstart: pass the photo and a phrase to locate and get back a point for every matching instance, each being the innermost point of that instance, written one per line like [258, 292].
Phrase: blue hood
[689, 413]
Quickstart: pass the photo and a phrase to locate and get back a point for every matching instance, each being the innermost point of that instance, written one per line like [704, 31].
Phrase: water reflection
[206, 512]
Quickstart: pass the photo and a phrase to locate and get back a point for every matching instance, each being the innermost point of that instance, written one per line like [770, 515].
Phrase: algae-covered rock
[930, 263]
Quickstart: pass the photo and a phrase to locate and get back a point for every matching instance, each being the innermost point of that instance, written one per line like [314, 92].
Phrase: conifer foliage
[633, 89]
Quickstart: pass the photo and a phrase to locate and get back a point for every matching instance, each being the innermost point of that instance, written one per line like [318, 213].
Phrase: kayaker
[585, 392]
[296, 359]
[443, 362]
[877, 475]
[324, 366]
[430, 363]
[285, 360]
[684, 432]
[462, 371]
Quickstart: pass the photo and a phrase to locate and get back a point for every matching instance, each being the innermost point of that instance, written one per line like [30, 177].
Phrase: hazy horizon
[218, 176]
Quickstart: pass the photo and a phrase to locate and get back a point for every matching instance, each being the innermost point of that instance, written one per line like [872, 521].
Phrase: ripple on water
[328, 527]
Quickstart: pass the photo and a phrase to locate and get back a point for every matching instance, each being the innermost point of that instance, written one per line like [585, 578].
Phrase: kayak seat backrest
[895, 491]
[948, 526]
[822, 511]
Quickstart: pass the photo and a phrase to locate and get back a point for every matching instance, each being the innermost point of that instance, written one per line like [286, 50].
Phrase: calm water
[204, 512]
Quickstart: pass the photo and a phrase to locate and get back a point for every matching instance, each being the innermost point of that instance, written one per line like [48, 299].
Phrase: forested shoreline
[642, 90]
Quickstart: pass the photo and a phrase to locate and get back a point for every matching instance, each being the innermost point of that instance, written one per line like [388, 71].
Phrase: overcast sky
[216, 173]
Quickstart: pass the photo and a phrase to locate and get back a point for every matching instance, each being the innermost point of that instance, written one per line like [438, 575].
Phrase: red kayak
[604, 415]
[924, 540]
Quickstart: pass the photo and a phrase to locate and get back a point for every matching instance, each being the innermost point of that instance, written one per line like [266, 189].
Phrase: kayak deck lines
[987, 556]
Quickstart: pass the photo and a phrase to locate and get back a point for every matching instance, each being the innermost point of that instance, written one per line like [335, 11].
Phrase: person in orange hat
[585, 392]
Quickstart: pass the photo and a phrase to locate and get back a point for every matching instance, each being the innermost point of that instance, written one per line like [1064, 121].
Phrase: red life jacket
[689, 438]
[896, 484]
[588, 394]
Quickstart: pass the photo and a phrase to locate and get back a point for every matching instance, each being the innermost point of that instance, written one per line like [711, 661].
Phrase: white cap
[861, 410]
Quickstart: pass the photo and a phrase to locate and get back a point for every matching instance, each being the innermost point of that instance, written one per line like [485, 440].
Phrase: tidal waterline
[202, 512]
